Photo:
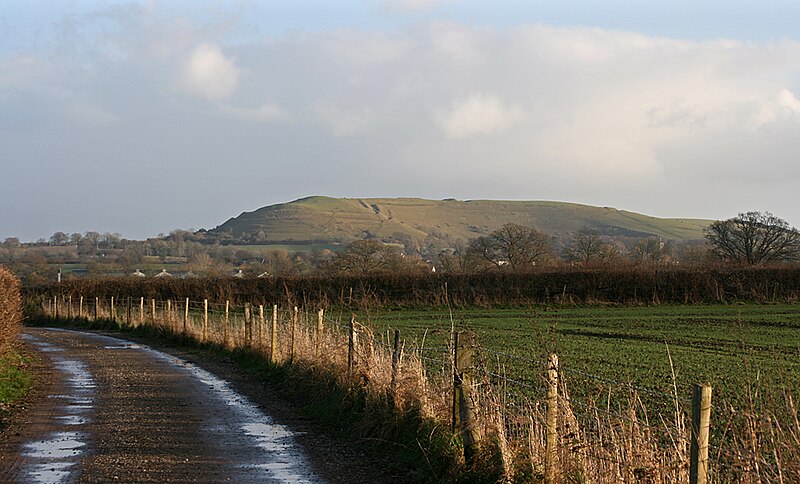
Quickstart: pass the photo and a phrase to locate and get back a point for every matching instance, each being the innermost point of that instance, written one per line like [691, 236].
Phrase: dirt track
[119, 411]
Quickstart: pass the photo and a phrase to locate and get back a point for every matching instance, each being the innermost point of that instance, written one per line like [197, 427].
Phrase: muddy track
[117, 411]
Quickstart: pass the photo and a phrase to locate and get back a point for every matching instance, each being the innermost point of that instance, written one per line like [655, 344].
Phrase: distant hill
[329, 220]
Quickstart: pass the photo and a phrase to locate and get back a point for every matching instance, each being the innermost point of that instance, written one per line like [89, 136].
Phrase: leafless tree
[59, 238]
[512, 245]
[754, 238]
[651, 251]
[589, 247]
[368, 256]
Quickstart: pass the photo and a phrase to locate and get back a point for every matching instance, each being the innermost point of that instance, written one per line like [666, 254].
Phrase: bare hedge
[624, 286]
[10, 310]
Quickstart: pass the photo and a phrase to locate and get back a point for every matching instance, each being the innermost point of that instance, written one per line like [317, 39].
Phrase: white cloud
[344, 122]
[209, 73]
[265, 113]
[479, 114]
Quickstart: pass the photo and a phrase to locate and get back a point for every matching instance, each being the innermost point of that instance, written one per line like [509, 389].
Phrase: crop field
[732, 347]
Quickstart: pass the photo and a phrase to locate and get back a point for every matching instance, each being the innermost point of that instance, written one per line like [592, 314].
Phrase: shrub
[10, 311]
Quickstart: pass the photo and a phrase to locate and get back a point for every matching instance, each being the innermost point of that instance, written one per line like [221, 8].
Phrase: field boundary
[469, 389]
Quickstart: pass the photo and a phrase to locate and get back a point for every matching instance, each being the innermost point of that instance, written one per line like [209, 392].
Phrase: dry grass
[10, 311]
[601, 439]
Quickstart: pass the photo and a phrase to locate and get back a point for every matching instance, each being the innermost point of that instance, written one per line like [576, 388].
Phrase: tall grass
[602, 437]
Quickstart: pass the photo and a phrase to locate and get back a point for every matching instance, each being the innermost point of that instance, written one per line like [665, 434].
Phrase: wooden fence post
[352, 337]
[69, 307]
[226, 327]
[55, 306]
[141, 311]
[701, 423]
[294, 328]
[169, 315]
[113, 310]
[320, 329]
[128, 319]
[273, 343]
[185, 315]
[551, 451]
[205, 321]
[153, 311]
[80, 308]
[463, 405]
[395, 361]
[96, 307]
[260, 326]
[248, 325]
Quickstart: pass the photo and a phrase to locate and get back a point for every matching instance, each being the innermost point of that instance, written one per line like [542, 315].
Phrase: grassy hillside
[342, 219]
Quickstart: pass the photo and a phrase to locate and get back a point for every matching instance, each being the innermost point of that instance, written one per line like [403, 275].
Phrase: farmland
[725, 346]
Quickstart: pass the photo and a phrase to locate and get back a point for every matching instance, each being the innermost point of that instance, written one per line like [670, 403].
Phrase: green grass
[315, 218]
[729, 347]
[15, 381]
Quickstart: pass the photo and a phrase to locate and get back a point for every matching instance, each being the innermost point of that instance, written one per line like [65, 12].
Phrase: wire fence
[482, 393]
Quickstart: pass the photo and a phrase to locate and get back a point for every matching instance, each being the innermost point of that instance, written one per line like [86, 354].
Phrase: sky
[143, 117]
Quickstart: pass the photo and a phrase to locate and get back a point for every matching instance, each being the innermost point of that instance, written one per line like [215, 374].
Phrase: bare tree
[588, 248]
[754, 238]
[512, 245]
[369, 256]
[59, 238]
[651, 251]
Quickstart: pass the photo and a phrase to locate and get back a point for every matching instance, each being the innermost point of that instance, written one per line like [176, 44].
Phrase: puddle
[51, 472]
[55, 458]
[130, 346]
[271, 449]
[58, 446]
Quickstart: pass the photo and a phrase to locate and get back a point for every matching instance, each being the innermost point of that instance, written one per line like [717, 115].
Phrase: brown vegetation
[598, 439]
[632, 285]
[10, 310]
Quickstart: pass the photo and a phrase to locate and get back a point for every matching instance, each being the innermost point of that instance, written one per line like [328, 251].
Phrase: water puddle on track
[274, 455]
[55, 458]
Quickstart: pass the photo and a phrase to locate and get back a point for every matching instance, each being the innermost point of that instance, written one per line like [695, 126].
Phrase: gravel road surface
[112, 410]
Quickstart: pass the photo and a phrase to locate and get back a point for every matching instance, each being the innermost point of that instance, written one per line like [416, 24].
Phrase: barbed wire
[623, 384]
[505, 378]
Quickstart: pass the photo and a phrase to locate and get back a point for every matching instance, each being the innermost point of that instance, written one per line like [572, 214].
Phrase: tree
[754, 238]
[369, 256]
[589, 248]
[651, 251]
[512, 245]
[59, 238]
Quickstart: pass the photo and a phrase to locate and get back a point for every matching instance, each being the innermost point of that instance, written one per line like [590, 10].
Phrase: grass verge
[15, 381]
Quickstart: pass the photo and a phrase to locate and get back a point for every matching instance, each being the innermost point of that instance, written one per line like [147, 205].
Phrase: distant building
[264, 274]
[239, 274]
[189, 275]
[138, 273]
[163, 273]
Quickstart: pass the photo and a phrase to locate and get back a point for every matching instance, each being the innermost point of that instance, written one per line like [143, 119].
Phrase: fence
[520, 406]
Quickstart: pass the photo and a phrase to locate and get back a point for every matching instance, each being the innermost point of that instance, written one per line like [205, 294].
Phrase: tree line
[752, 238]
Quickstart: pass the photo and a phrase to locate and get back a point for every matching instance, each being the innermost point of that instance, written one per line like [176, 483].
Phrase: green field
[729, 347]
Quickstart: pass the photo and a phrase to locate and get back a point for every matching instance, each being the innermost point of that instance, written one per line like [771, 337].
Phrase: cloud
[345, 122]
[209, 73]
[408, 6]
[265, 113]
[479, 114]
[660, 125]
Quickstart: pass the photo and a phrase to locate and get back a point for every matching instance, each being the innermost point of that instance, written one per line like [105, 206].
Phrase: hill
[329, 220]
